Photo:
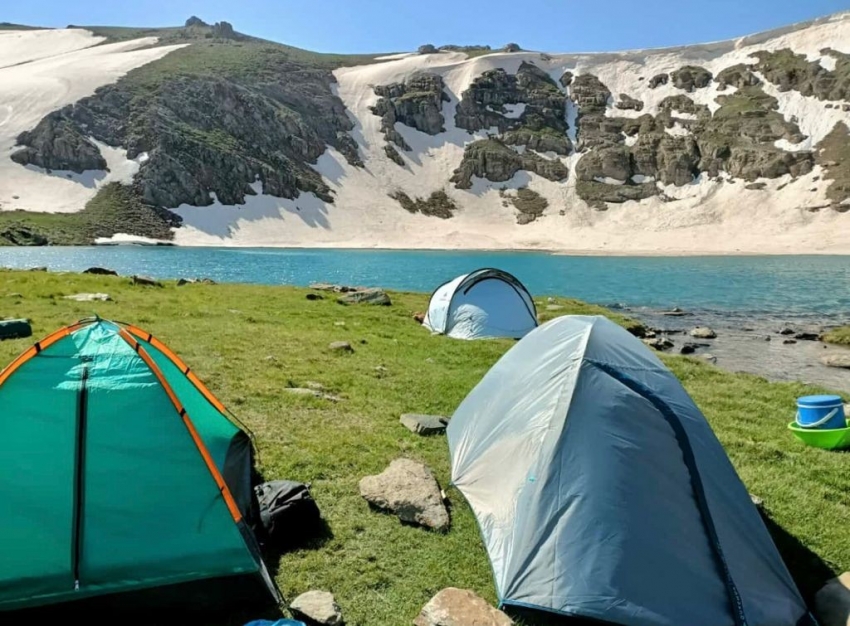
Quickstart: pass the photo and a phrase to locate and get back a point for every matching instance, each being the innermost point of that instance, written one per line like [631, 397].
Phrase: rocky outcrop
[833, 154]
[195, 21]
[672, 107]
[627, 102]
[206, 133]
[529, 204]
[658, 80]
[58, 144]
[738, 76]
[598, 194]
[427, 48]
[417, 102]
[791, 71]
[528, 102]
[493, 160]
[438, 204]
[690, 78]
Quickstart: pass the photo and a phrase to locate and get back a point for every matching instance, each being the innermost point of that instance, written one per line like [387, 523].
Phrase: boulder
[838, 359]
[314, 296]
[40, 268]
[341, 346]
[334, 288]
[703, 332]
[460, 607]
[145, 281]
[100, 271]
[674, 312]
[689, 348]
[89, 297]
[424, 424]
[317, 607]
[658, 343]
[691, 78]
[832, 602]
[408, 489]
[366, 296]
[658, 80]
[804, 336]
[186, 281]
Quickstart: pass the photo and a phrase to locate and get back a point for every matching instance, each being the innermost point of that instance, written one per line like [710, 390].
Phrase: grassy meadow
[251, 343]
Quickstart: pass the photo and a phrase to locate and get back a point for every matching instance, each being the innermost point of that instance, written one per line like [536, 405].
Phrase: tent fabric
[111, 469]
[602, 492]
[486, 303]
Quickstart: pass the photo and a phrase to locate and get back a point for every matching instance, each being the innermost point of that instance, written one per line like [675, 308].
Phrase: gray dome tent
[486, 303]
[601, 491]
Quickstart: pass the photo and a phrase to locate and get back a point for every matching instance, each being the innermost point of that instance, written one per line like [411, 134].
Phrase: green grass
[115, 209]
[380, 571]
[839, 336]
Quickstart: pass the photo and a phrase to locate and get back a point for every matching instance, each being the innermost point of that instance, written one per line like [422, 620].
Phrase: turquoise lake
[762, 286]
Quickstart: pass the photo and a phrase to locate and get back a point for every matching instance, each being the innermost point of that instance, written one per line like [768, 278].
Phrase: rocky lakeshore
[780, 349]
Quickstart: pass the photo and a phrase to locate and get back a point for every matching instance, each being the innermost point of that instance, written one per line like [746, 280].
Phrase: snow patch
[42, 71]
[630, 140]
[640, 179]
[125, 239]
[514, 111]
[677, 130]
[608, 180]
[827, 62]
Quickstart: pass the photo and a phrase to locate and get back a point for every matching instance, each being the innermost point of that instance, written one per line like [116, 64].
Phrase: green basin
[826, 439]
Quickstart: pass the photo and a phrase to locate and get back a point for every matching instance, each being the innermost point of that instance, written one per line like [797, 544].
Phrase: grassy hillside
[251, 343]
[838, 336]
[114, 209]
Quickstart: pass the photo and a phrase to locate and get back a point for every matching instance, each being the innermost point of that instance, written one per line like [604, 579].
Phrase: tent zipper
[79, 476]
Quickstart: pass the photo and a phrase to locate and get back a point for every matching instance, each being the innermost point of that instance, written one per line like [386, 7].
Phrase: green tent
[120, 477]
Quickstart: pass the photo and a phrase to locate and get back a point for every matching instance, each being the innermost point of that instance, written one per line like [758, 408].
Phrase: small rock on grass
[366, 296]
[341, 346]
[315, 296]
[145, 281]
[424, 424]
[408, 489]
[90, 297]
[317, 607]
[460, 607]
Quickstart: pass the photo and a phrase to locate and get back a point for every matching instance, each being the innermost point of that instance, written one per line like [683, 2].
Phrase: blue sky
[401, 25]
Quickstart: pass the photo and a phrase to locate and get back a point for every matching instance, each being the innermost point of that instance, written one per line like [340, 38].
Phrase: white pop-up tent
[486, 303]
[601, 491]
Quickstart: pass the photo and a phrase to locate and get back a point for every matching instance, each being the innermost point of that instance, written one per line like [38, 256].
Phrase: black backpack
[288, 513]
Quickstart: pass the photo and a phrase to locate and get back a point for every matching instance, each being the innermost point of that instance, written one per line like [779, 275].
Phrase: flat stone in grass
[408, 489]
[832, 602]
[315, 296]
[89, 297]
[341, 346]
[837, 360]
[424, 424]
[317, 607]
[316, 393]
[554, 307]
[366, 296]
[145, 281]
[460, 607]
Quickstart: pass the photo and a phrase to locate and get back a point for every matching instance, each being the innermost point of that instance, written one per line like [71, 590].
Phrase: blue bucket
[821, 412]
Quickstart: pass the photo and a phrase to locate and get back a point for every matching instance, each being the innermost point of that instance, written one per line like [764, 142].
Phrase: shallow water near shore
[744, 298]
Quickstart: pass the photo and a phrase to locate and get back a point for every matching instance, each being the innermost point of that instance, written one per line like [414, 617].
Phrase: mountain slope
[738, 145]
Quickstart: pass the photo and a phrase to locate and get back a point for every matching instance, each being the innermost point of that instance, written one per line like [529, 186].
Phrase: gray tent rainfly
[602, 492]
[486, 303]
